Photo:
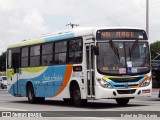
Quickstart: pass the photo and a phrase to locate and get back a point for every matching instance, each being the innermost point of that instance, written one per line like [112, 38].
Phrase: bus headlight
[145, 83]
[104, 83]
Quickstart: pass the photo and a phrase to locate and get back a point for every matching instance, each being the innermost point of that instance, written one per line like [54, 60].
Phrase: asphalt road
[10, 103]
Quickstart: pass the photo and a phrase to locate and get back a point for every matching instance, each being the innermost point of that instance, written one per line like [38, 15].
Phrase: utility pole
[147, 17]
[72, 25]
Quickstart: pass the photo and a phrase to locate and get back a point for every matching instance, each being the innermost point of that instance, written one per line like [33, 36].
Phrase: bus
[81, 64]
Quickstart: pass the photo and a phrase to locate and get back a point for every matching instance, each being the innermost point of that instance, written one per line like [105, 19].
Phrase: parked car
[3, 82]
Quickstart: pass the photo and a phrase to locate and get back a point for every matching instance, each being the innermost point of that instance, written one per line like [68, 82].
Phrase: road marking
[12, 109]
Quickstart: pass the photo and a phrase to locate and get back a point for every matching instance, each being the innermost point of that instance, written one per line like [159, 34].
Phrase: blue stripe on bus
[113, 84]
[60, 37]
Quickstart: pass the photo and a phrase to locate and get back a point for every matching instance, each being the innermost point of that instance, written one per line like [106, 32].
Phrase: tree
[155, 49]
[3, 61]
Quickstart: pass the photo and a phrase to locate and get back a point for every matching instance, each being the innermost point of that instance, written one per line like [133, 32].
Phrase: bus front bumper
[122, 93]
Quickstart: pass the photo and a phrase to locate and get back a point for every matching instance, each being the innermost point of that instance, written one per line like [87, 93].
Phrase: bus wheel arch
[75, 94]
[31, 94]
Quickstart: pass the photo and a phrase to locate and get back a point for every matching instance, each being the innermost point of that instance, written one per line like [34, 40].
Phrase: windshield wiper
[114, 48]
[131, 51]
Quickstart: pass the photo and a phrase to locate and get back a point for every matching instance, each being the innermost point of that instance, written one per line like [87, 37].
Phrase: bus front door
[90, 70]
[16, 65]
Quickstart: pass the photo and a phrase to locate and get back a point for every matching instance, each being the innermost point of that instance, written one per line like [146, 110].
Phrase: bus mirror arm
[95, 49]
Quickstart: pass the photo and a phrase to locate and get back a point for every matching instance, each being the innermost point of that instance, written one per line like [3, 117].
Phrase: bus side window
[75, 51]
[60, 53]
[15, 58]
[47, 54]
[24, 57]
[35, 55]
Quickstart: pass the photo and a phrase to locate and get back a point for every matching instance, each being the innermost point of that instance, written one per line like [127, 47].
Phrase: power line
[120, 14]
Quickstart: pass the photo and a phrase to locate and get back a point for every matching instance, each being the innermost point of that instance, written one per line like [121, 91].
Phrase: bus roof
[76, 32]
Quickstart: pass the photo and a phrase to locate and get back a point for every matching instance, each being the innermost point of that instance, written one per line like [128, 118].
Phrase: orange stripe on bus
[66, 79]
[146, 77]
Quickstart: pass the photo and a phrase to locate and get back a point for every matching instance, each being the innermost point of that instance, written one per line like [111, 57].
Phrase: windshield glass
[123, 57]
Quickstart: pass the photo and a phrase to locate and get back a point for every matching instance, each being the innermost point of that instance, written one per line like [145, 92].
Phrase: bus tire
[122, 101]
[30, 94]
[76, 96]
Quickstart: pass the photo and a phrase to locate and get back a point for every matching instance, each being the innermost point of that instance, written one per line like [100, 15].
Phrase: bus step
[90, 98]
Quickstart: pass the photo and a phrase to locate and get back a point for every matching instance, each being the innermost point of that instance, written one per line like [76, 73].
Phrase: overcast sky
[27, 19]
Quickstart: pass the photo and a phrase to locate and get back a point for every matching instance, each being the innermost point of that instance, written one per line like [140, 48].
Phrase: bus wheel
[76, 96]
[122, 101]
[30, 94]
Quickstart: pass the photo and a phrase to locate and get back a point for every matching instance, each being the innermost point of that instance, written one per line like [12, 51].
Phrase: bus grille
[134, 79]
[126, 91]
[127, 86]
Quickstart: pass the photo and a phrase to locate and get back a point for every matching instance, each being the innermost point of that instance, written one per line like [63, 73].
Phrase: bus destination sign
[116, 34]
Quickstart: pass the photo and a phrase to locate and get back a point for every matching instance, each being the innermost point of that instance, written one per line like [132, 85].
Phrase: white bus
[81, 64]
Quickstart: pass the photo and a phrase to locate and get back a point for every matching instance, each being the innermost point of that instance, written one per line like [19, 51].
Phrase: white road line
[12, 109]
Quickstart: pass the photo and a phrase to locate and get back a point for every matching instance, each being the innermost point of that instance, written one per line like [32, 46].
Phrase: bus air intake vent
[126, 91]
[133, 79]
[124, 85]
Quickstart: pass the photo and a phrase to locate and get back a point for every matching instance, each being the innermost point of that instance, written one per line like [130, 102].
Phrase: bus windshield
[123, 58]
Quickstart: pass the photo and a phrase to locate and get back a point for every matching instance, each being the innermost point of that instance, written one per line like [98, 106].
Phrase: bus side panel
[77, 76]
[12, 81]
[62, 86]
[23, 87]
[50, 81]
[9, 81]
[38, 76]
[47, 81]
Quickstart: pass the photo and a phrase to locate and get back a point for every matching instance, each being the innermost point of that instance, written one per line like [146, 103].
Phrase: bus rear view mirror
[95, 49]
